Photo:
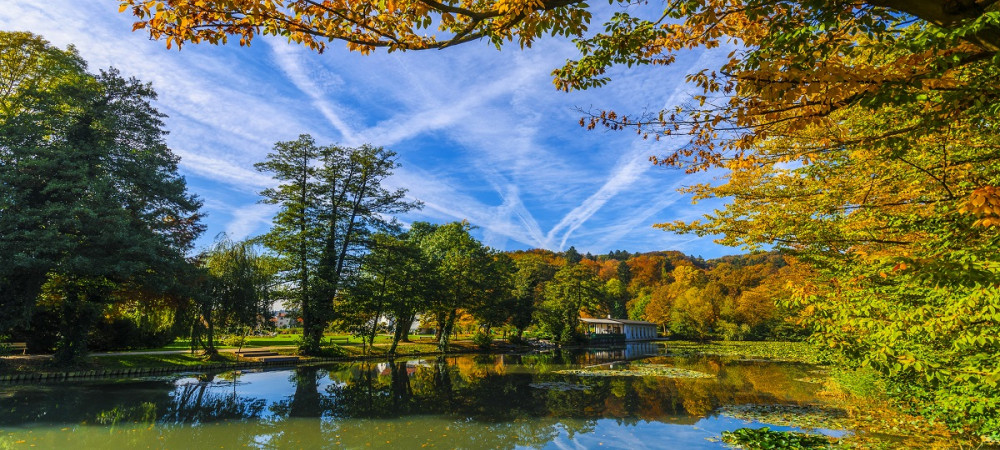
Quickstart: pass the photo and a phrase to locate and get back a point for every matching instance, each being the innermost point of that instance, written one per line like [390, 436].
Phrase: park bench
[15, 346]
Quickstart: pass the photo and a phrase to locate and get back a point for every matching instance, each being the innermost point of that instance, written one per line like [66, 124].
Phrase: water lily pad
[643, 370]
[809, 417]
[811, 380]
[559, 386]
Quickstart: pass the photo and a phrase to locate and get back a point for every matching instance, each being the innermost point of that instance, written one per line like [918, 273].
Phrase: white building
[632, 330]
[283, 319]
[638, 330]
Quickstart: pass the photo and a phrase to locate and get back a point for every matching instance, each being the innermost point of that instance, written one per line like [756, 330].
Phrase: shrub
[569, 336]
[729, 331]
[233, 340]
[482, 340]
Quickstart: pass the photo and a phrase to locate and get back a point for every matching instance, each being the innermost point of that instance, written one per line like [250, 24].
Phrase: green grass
[283, 340]
[345, 346]
[134, 360]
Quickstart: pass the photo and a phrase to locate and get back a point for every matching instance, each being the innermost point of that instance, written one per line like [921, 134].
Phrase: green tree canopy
[332, 199]
[91, 198]
[239, 290]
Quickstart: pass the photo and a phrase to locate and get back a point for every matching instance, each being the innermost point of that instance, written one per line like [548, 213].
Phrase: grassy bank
[340, 347]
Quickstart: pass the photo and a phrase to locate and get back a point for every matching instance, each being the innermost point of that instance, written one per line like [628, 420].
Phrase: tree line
[98, 228]
[860, 137]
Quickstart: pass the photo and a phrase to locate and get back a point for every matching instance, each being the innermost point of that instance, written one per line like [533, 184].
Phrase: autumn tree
[892, 203]
[645, 271]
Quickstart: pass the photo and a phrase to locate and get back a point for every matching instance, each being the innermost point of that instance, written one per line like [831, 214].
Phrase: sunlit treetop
[792, 65]
[421, 24]
[363, 25]
[788, 59]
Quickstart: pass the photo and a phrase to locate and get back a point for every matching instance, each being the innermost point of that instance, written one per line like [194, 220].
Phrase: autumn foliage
[860, 137]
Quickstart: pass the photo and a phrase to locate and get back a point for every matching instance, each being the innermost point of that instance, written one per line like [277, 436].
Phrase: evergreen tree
[91, 201]
[572, 256]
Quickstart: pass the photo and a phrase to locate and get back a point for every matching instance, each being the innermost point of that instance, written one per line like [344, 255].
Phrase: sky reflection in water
[470, 401]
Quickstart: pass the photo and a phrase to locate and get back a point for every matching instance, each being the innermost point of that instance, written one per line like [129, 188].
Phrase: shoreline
[43, 373]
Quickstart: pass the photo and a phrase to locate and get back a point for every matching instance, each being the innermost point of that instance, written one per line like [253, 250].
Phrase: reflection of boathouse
[618, 329]
[628, 352]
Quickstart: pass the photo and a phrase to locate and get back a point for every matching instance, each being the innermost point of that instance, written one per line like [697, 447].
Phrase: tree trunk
[406, 329]
[401, 328]
[439, 325]
[77, 317]
[208, 326]
[449, 324]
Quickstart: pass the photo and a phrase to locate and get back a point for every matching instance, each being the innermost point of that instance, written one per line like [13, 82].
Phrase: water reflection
[497, 401]
[630, 352]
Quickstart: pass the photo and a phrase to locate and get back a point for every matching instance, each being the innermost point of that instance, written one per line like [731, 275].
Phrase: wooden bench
[23, 347]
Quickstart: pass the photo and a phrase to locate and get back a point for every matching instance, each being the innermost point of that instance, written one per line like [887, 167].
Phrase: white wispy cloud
[248, 219]
[483, 134]
[292, 62]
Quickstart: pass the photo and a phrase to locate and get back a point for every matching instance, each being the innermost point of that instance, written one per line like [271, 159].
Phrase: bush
[569, 336]
[233, 340]
[126, 334]
[482, 340]
[862, 382]
[729, 331]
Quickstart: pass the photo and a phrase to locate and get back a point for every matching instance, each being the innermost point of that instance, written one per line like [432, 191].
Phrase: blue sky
[482, 134]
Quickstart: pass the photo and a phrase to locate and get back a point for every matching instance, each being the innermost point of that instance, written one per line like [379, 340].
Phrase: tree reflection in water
[467, 401]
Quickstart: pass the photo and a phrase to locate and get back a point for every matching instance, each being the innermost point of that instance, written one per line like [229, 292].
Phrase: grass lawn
[288, 340]
[344, 345]
[139, 360]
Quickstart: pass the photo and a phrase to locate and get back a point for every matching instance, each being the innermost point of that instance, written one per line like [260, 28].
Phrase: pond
[634, 397]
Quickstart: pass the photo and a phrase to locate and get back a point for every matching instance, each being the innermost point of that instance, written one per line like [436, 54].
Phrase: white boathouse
[631, 330]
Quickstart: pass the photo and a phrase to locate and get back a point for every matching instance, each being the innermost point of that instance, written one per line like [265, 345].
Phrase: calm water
[480, 401]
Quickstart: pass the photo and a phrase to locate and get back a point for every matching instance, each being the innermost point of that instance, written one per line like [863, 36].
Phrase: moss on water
[638, 370]
[765, 350]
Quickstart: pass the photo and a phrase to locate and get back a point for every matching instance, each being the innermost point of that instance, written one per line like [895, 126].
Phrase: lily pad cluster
[558, 386]
[638, 370]
[789, 415]
[747, 350]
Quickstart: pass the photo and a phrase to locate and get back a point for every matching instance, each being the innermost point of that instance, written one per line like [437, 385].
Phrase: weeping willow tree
[239, 290]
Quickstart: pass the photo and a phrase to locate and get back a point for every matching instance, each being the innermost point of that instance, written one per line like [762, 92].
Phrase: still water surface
[470, 401]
